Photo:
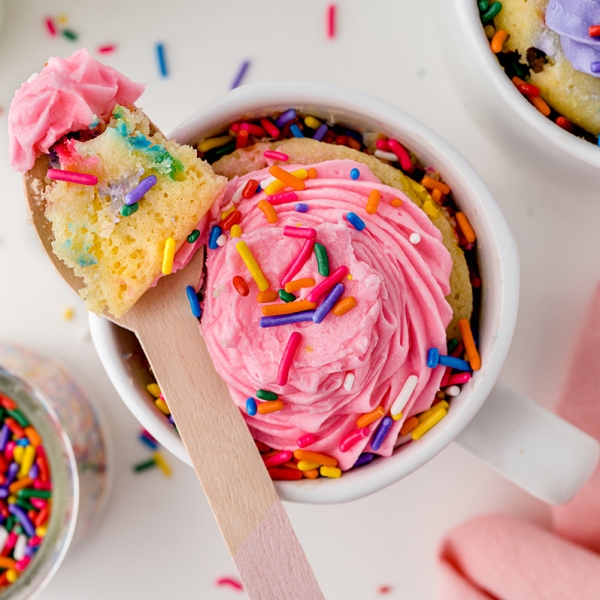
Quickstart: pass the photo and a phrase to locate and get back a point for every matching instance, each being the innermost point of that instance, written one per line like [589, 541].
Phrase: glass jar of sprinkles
[54, 404]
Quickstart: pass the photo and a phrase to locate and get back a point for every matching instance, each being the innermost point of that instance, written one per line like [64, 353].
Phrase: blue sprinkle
[320, 132]
[433, 358]
[258, 189]
[356, 221]
[295, 130]
[354, 174]
[300, 207]
[240, 74]
[146, 440]
[381, 432]
[23, 442]
[364, 459]
[194, 303]
[162, 64]
[288, 115]
[251, 406]
[215, 232]
[353, 134]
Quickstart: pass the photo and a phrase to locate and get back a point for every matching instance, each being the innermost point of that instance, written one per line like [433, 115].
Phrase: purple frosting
[571, 19]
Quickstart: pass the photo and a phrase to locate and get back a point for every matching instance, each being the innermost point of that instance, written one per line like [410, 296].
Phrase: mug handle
[531, 446]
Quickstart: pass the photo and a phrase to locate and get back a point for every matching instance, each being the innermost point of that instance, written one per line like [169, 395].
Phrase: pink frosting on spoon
[71, 94]
[401, 312]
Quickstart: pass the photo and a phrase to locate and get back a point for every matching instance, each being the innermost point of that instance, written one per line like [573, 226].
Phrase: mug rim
[499, 256]
[477, 44]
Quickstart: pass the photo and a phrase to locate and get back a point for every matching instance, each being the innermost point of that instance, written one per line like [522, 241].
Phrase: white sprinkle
[237, 195]
[349, 382]
[386, 155]
[266, 182]
[404, 396]
[221, 240]
[3, 537]
[414, 238]
[19, 551]
[452, 391]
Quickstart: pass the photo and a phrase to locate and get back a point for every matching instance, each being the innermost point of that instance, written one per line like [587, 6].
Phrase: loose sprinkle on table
[331, 13]
[162, 61]
[240, 74]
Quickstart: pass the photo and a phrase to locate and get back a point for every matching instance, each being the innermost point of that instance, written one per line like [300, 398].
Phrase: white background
[158, 538]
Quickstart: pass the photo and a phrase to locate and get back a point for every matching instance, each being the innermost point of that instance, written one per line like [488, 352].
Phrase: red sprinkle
[277, 459]
[249, 189]
[529, 89]
[331, 21]
[382, 145]
[594, 30]
[285, 474]
[253, 129]
[106, 49]
[565, 124]
[50, 26]
[7, 403]
[403, 157]
[241, 287]
[270, 127]
[230, 220]
[262, 447]
[242, 139]
[235, 127]
[17, 430]
[230, 581]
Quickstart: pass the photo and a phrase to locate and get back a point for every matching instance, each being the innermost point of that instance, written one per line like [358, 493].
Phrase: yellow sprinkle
[12, 575]
[227, 212]
[434, 418]
[161, 463]
[162, 406]
[12, 499]
[154, 389]
[430, 208]
[236, 231]
[27, 462]
[168, 255]
[41, 531]
[489, 31]
[443, 404]
[331, 472]
[397, 417]
[350, 278]
[304, 465]
[68, 313]
[18, 454]
[278, 185]
[62, 19]
[309, 348]
[215, 142]
[396, 202]
[252, 265]
[312, 122]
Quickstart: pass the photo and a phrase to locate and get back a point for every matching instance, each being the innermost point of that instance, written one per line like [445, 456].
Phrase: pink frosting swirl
[69, 94]
[401, 312]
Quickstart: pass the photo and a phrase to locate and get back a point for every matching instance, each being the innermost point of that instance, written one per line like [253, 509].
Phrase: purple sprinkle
[240, 75]
[30, 550]
[23, 518]
[364, 459]
[300, 207]
[287, 116]
[34, 472]
[595, 67]
[4, 437]
[320, 132]
[140, 189]
[299, 317]
[3, 491]
[171, 420]
[327, 304]
[13, 469]
[381, 432]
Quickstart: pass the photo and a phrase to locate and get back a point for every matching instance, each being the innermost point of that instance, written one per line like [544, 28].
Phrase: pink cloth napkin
[505, 558]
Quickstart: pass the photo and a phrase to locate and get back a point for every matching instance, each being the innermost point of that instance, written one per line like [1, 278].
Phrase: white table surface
[158, 538]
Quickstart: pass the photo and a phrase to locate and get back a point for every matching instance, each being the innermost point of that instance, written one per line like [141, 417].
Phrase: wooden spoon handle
[252, 519]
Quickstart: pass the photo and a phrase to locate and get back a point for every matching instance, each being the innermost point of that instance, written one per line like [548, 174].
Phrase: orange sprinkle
[465, 227]
[290, 465]
[409, 425]
[469, 342]
[315, 457]
[396, 202]
[19, 485]
[268, 210]
[518, 81]
[343, 306]
[312, 173]
[287, 309]
[298, 284]
[370, 417]
[540, 104]
[434, 184]
[498, 40]
[373, 201]
[311, 473]
[6, 563]
[264, 408]
[436, 196]
[287, 178]
[268, 296]
[33, 436]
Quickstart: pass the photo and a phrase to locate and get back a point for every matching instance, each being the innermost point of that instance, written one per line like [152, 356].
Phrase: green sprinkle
[265, 395]
[33, 493]
[10, 522]
[452, 345]
[483, 5]
[286, 296]
[25, 504]
[70, 35]
[322, 259]
[491, 12]
[19, 417]
[128, 209]
[142, 466]
[193, 236]
[18, 529]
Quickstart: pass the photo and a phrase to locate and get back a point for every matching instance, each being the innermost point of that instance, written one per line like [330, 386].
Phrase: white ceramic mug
[495, 103]
[528, 444]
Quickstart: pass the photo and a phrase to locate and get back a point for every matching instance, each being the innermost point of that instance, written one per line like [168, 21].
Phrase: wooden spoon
[252, 519]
